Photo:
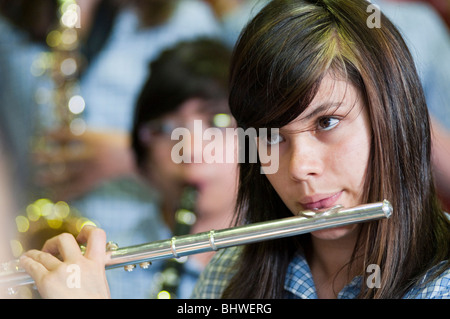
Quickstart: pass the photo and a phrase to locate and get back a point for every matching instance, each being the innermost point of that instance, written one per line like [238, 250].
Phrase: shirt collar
[299, 282]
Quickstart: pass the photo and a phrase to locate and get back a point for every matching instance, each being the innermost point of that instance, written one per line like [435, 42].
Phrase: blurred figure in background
[187, 83]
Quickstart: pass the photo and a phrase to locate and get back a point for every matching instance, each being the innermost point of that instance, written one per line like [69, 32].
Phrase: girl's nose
[305, 157]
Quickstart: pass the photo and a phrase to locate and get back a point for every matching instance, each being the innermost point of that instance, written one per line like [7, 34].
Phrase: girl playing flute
[353, 128]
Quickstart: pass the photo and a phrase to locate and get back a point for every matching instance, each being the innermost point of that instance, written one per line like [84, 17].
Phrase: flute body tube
[175, 247]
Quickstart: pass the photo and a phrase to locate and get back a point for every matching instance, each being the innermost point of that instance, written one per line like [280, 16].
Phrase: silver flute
[306, 221]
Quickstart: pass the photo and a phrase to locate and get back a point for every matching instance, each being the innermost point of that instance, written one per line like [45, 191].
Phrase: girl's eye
[274, 138]
[327, 123]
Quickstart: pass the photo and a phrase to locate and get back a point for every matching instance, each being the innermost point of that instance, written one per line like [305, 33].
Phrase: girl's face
[324, 154]
[215, 182]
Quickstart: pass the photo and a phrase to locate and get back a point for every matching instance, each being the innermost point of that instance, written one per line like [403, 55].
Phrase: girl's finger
[95, 239]
[34, 268]
[49, 261]
[64, 245]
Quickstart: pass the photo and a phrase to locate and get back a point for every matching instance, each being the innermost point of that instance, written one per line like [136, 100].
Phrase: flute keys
[129, 268]
[111, 246]
[145, 264]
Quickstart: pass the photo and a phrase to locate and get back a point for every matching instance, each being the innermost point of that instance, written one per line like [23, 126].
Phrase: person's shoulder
[432, 286]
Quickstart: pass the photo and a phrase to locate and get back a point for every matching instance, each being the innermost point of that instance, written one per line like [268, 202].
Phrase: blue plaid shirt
[299, 282]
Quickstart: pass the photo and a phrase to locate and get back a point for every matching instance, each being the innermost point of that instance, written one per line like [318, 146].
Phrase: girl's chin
[334, 233]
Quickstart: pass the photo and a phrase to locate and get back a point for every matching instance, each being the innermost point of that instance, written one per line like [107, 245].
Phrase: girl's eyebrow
[321, 109]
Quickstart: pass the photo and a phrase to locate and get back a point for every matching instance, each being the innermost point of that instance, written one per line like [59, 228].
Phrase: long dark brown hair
[277, 67]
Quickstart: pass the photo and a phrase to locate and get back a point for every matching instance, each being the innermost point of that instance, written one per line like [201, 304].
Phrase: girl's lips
[321, 201]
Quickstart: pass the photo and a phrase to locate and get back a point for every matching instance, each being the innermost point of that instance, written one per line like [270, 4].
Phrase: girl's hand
[74, 275]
